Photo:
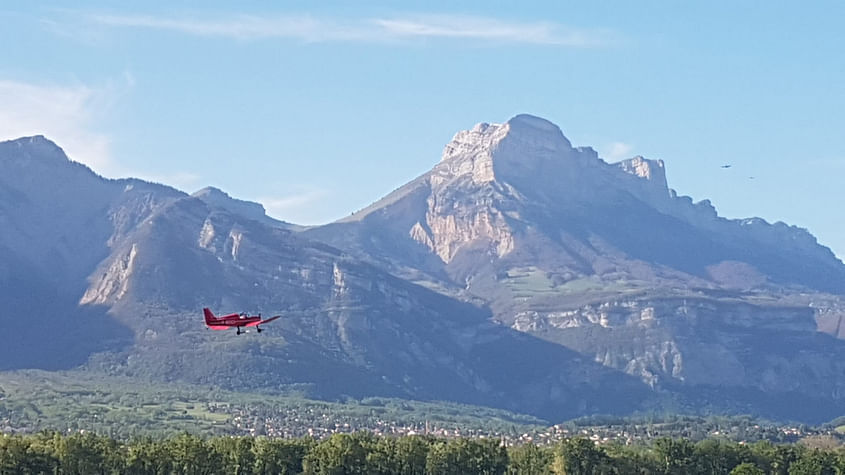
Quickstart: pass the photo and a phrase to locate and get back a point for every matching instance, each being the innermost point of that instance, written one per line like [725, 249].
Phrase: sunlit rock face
[476, 174]
[492, 168]
[687, 340]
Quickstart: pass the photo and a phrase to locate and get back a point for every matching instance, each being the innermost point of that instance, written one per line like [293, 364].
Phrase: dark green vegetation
[362, 453]
[31, 401]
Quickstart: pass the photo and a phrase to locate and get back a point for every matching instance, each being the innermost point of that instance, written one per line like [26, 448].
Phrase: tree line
[365, 453]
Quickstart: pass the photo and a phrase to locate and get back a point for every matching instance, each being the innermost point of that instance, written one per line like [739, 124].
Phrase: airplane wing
[262, 322]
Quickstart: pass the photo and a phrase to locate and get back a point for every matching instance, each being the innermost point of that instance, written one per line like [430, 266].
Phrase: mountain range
[520, 272]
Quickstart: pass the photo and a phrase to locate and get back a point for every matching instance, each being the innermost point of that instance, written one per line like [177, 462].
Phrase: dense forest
[365, 453]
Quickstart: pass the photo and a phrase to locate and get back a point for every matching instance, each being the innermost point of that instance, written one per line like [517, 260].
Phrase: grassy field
[533, 282]
[33, 400]
[529, 282]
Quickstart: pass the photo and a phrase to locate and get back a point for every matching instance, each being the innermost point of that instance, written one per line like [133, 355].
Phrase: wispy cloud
[617, 151]
[64, 114]
[481, 28]
[314, 29]
[283, 207]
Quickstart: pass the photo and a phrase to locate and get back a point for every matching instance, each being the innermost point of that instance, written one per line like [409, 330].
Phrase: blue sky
[318, 109]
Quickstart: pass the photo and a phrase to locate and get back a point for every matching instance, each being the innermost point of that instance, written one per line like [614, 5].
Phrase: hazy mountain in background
[519, 273]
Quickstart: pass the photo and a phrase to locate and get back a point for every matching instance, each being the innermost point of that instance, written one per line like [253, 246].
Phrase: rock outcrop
[218, 198]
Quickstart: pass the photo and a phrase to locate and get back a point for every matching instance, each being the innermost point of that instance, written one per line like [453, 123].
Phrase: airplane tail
[210, 319]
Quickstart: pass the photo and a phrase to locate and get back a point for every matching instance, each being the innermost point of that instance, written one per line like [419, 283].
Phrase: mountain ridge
[520, 272]
[493, 156]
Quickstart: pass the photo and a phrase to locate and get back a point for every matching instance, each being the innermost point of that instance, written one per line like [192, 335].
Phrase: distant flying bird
[726, 166]
[751, 178]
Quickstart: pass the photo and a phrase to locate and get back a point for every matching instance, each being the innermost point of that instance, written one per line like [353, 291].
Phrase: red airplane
[234, 320]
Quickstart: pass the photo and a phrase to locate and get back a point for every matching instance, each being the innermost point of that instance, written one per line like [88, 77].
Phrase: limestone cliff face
[645, 313]
[480, 173]
[692, 340]
[446, 234]
[651, 170]
[111, 286]
[652, 188]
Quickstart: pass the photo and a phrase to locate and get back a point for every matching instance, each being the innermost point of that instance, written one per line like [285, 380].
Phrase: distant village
[321, 425]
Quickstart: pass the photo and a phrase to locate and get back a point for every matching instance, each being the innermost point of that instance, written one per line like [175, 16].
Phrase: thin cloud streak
[241, 27]
[490, 29]
[305, 207]
[282, 205]
[313, 29]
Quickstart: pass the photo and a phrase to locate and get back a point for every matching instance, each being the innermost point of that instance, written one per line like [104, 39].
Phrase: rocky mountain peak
[524, 145]
[36, 141]
[36, 147]
[219, 198]
[537, 132]
[525, 132]
[211, 192]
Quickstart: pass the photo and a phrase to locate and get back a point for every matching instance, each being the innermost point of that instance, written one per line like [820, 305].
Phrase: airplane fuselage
[234, 320]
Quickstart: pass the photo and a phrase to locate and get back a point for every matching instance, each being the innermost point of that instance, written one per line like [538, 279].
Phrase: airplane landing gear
[258, 329]
[239, 331]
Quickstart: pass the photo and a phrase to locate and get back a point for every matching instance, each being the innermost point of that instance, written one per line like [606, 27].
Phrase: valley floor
[77, 402]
